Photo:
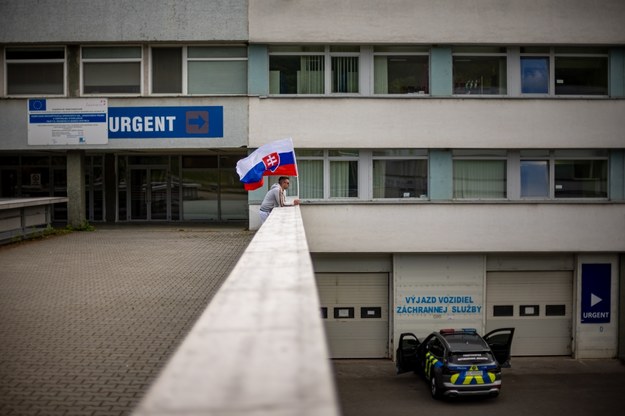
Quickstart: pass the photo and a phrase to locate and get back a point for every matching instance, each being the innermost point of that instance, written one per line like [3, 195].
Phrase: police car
[457, 362]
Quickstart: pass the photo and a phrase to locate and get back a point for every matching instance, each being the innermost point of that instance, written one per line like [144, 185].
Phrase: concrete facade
[348, 132]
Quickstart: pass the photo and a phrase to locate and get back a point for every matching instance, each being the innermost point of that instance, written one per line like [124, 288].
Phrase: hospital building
[461, 163]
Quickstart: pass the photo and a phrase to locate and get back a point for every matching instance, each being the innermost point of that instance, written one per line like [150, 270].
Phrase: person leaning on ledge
[275, 198]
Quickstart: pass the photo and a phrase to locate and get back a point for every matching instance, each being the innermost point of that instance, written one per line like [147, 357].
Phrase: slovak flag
[272, 159]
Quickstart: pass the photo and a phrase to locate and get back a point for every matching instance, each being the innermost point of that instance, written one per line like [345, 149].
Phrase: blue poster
[596, 293]
[165, 122]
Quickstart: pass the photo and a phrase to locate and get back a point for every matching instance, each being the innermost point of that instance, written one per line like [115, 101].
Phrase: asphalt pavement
[534, 386]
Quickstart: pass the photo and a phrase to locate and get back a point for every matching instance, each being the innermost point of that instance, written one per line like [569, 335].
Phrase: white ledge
[260, 347]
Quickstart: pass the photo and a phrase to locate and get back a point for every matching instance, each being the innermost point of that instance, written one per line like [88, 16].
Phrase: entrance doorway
[149, 193]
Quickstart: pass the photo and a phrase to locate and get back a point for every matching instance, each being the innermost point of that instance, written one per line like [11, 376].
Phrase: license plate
[474, 373]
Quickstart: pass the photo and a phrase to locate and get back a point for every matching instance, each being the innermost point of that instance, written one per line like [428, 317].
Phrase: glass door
[149, 190]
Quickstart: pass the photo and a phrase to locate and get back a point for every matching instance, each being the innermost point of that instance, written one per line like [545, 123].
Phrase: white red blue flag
[272, 159]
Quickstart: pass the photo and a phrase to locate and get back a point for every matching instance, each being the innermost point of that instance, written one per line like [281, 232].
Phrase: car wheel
[436, 393]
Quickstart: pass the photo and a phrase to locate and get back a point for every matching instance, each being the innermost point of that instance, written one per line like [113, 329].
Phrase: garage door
[355, 310]
[537, 304]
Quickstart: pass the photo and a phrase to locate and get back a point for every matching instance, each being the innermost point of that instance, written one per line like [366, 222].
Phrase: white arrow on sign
[594, 299]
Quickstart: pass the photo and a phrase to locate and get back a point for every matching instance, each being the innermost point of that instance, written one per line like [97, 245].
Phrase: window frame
[7, 62]
[140, 60]
[552, 53]
[185, 68]
[505, 54]
[481, 155]
[427, 54]
[556, 54]
[187, 60]
[327, 158]
[327, 55]
[551, 157]
[424, 156]
[551, 69]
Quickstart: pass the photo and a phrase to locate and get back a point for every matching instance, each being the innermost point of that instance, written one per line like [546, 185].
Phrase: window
[436, 348]
[399, 174]
[534, 75]
[581, 71]
[344, 313]
[209, 70]
[217, 70]
[35, 71]
[555, 310]
[167, 70]
[476, 178]
[314, 69]
[400, 70]
[581, 178]
[503, 310]
[564, 174]
[296, 70]
[343, 173]
[344, 68]
[479, 70]
[310, 170]
[529, 310]
[111, 70]
[327, 173]
[534, 179]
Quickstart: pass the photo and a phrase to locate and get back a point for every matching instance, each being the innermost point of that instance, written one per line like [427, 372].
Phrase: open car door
[407, 353]
[500, 342]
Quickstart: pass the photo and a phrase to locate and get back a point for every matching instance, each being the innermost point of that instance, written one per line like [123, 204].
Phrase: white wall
[465, 227]
[438, 123]
[454, 283]
[597, 340]
[440, 21]
[122, 20]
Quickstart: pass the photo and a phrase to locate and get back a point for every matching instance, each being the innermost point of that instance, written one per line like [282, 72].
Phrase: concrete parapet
[260, 347]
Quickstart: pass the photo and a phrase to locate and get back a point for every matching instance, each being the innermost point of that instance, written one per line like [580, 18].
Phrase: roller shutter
[538, 304]
[355, 310]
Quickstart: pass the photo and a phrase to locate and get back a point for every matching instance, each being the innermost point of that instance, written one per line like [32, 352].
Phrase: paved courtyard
[88, 319]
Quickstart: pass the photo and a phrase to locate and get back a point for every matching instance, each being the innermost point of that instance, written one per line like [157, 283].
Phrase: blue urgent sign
[596, 293]
[165, 122]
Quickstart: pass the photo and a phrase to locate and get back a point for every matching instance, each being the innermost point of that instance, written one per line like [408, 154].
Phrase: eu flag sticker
[37, 105]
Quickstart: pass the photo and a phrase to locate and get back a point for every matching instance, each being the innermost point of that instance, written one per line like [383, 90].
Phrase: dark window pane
[166, 70]
[296, 74]
[479, 75]
[581, 179]
[399, 178]
[35, 53]
[503, 310]
[345, 74]
[401, 75]
[581, 76]
[35, 78]
[555, 310]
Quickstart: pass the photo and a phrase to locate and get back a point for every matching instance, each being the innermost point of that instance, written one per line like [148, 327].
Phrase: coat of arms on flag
[274, 158]
[272, 161]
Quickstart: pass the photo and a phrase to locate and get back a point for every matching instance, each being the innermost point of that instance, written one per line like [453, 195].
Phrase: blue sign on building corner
[596, 293]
